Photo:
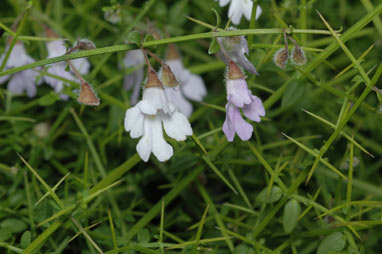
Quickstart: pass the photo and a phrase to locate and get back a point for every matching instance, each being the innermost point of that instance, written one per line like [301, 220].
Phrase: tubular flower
[57, 48]
[237, 49]
[146, 118]
[240, 97]
[239, 7]
[23, 80]
[134, 58]
[191, 85]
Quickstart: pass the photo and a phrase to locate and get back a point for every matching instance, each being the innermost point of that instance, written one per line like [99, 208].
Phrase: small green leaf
[5, 234]
[292, 211]
[214, 47]
[274, 195]
[135, 38]
[13, 225]
[25, 239]
[218, 19]
[48, 99]
[144, 236]
[243, 249]
[332, 243]
[293, 93]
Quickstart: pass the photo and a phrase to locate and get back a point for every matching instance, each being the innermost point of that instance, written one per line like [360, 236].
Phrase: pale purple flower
[191, 86]
[82, 65]
[23, 80]
[238, 8]
[146, 119]
[240, 97]
[237, 49]
[134, 58]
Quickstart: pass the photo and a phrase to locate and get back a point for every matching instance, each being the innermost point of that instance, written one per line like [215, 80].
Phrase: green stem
[125, 47]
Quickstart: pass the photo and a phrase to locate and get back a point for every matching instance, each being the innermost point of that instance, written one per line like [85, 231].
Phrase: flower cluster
[23, 81]
[145, 120]
[166, 101]
[240, 97]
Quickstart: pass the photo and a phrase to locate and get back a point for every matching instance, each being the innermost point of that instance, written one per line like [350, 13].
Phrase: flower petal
[235, 11]
[134, 122]
[194, 88]
[23, 81]
[144, 146]
[55, 48]
[238, 93]
[228, 127]
[82, 65]
[254, 110]
[176, 126]
[160, 148]
[156, 98]
[223, 2]
[175, 96]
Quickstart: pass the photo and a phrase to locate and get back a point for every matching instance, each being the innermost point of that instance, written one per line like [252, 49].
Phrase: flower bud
[281, 58]
[168, 77]
[153, 80]
[298, 55]
[87, 95]
[234, 71]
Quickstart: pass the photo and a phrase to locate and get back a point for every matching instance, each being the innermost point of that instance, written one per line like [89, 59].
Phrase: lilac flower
[240, 97]
[239, 7]
[146, 118]
[134, 58]
[82, 65]
[191, 85]
[237, 49]
[23, 80]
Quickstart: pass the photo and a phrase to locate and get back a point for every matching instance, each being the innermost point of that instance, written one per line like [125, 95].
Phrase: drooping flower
[82, 65]
[134, 58]
[237, 48]
[23, 80]
[146, 118]
[191, 85]
[240, 97]
[239, 7]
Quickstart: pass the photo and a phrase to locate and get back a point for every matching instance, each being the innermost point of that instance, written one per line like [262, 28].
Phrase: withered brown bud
[298, 55]
[153, 80]
[87, 95]
[85, 44]
[281, 58]
[168, 77]
[172, 52]
[234, 71]
[50, 33]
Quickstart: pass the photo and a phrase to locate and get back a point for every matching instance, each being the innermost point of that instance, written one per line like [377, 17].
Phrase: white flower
[23, 80]
[82, 65]
[191, 86]
[239, 7]
[145, 120]
[134, 58]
